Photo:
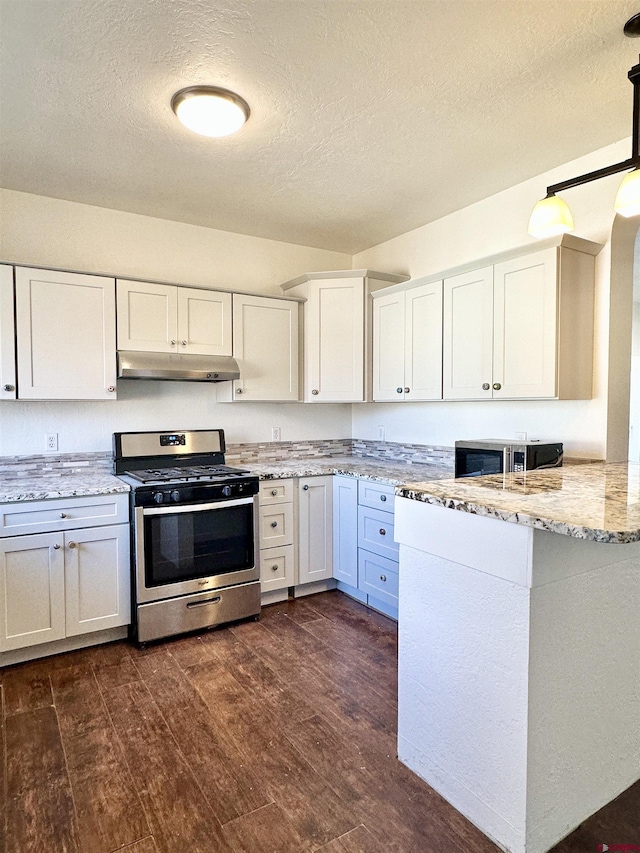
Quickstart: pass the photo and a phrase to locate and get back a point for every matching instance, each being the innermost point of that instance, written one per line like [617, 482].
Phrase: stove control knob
[226, 491]
[158, 497]
[175, 495]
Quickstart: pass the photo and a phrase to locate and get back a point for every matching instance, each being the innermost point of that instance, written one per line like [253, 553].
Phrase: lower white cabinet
[66, 582]
[315, 529]
[345, 530]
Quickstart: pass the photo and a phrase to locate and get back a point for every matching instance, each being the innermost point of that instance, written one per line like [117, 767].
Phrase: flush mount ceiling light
[551, 215]
[209, 110]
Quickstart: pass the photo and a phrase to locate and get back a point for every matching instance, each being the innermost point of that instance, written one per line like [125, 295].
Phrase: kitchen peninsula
[519, 648]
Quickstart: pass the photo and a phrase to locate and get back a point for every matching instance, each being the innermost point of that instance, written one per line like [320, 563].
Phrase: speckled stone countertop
[49, 486]
[363, 467]
[598, 501]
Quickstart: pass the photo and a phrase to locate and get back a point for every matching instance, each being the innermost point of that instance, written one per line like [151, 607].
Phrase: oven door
[194, 548]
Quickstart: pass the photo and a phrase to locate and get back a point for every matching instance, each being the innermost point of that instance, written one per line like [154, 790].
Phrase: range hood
[180, 367]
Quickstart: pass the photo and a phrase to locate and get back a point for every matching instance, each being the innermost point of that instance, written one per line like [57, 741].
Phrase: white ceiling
[369, 117]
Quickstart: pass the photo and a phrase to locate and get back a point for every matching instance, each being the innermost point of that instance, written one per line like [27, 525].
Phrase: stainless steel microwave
[495, 456]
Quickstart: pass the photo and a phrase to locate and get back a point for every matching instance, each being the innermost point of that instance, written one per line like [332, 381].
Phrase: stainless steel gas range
[194, 534]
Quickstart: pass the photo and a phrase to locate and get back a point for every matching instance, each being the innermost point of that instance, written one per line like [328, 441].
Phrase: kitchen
[41, 228]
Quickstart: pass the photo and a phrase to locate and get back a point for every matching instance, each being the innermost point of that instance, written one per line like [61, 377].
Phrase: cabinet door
[334, 341]
[468, 335]
[315, 532]
[147, 316]
[345, 530]
[388, 347]
[423, 342]
[525, 323]
[7, 335]
[204, 321]
[97, 579]
[265, 344]
[31, 590]
[66, 333]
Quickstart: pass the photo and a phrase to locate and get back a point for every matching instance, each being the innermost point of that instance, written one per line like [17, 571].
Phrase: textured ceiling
[369, 117]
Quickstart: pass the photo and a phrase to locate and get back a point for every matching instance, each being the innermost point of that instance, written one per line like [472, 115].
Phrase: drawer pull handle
[382, 531]
[274, 523]
[275, 568]
[72, 544]
[383, 578]
[56, 547]
[63, 515]
[274, 492]
[306, 488]
[203, 603]
[383, 498]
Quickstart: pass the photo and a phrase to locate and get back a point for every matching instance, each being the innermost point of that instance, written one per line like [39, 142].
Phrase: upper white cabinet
[337, 333]
[265, 345]
[167, 318]
[407, 344]
[7, 335]
[66, 335]
[522, 327]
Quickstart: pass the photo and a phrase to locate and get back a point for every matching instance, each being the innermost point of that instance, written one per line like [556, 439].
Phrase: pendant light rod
[632, 163]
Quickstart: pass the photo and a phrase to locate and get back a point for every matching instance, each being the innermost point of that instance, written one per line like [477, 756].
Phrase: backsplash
[415, 454]
[40, 465]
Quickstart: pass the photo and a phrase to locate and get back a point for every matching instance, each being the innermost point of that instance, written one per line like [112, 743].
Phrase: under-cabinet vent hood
[180, 367]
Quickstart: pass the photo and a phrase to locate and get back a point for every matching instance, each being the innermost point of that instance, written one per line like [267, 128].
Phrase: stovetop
[187, 474]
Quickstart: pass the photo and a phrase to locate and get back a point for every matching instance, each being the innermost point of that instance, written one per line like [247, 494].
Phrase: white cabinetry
[315, 529]
[265, 345]
[7, 335]
[64, 569]
[337, 332]
[167, 318]
[407, 344]
[277, 536]
[345, 530]
[522, 327]
[66, 342]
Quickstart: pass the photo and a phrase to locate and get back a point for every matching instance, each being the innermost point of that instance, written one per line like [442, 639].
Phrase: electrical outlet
[51, 441]
[276, 434]
[381, 433]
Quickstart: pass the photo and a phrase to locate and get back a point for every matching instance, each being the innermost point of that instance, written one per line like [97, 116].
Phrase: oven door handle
[168, 510]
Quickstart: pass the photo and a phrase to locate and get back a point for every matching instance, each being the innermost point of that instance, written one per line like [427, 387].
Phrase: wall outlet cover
[276, 434]
[51, 441]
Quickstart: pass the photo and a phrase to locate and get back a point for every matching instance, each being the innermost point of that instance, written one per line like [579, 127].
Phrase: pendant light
[209, 110]
[551, 215]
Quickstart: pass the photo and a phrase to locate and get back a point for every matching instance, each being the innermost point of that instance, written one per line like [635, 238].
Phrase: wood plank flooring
[275, 736]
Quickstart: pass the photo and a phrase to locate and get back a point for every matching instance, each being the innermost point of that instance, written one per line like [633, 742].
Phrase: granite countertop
[599, 501]
[363, 467]
[48, 486]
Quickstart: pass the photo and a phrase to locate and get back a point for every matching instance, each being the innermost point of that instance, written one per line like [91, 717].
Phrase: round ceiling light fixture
[209, 110]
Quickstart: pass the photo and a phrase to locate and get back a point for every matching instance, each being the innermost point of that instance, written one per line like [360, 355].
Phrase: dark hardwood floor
[275, 736]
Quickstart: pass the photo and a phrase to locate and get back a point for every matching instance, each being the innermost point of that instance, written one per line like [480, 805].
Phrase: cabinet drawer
[375, 532]
[63, 514]
[277, 568]
[375, 495]
[378, 576]
[275, 492]
[276, 525]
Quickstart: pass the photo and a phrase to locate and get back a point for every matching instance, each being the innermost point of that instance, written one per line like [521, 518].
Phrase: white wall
[60, 234]
[497, 224]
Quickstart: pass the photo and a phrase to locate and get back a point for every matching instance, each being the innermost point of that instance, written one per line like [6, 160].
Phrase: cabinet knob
[306, 488]
[274, 568]
[383, 578]
[315, 392]
[407, 390]
[485, 386]
[382, 531]
[173, 343]
[184, 343]
[56, 547]
[111, 388]
[8, 387]
[238, 390]
[72, 544]
[497, 386]
[274, 492]
[383, 498]
[274, 523]
[63, 515]
[399, 390]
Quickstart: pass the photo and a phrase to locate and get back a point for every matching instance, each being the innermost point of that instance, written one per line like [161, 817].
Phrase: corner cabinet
[407, 344]
[265, 345]
[167, 318]
[337, 332]
[7, 335]
[66, 335]
[522, 328]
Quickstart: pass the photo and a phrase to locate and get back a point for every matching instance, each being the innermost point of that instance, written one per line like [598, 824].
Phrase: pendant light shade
[628, 198]
[210, 111]
[551, 216]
